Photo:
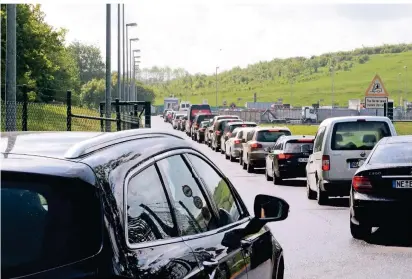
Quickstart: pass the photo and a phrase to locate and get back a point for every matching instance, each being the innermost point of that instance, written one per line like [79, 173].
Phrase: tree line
[46, 67]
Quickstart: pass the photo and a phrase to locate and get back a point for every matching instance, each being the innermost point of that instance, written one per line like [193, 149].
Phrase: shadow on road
[395, 235]
[338, 202]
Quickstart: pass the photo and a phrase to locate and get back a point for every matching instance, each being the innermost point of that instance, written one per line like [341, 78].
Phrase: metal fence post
[24, 115]
[101, 108]
[147, 115]
[69, 110]
[118, 123]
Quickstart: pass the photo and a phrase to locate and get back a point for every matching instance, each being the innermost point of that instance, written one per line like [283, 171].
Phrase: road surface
[316, 239]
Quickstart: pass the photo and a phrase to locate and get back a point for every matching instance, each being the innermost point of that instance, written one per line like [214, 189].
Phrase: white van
[184, 106]
[341, 145]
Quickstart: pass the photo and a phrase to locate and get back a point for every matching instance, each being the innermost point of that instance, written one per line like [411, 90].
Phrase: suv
[254, 151]
[217, 133]
[196, 123]
[208, 138]
[132, 204]
[341, 146]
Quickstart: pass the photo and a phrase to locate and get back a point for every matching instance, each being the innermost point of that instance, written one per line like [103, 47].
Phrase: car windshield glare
[394, 153]
[358, 135]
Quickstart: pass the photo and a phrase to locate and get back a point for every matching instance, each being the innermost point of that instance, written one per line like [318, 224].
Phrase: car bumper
[336, 188]
[257, 159]
[376, 211]
[291, 171]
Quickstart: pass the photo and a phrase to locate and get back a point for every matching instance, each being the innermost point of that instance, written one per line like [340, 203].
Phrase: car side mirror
[270, 209]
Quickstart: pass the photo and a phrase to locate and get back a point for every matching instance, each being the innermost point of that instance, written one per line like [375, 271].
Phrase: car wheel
[277, 180]
[309, 192]
[250, 168]
[321, 196]
[268, 178]
[230, 156]
[280, 273]
[244, 165]
[360, 231]
[222, 151]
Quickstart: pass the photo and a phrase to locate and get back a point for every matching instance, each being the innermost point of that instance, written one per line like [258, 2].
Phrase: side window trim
[136, 171]
[243, 212]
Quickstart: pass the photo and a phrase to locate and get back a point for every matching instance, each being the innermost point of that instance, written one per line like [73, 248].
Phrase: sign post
[376, 95]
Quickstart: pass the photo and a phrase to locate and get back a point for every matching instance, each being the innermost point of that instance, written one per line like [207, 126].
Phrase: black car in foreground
[381, 192]
[132, 204]
[288, 157]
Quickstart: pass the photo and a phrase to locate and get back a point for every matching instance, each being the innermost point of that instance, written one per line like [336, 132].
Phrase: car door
[154, 247]
[198, 218]
[256, 249]
[315, 159]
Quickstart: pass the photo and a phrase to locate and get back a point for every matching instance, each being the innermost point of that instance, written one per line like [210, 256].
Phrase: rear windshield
[224, 122]
[204, 124]
[298, 147]
[234, 126]
[47, 225]
[358, 135]
[270, 136]
[394, 153]
[203, 117]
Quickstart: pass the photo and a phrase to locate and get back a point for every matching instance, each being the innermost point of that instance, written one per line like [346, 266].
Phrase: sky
[200, 35]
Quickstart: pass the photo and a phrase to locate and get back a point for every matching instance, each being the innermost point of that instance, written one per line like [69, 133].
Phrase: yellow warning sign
[376, 88]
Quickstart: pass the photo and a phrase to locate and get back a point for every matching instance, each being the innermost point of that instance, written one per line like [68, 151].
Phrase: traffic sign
[375, 102]
[376, 88]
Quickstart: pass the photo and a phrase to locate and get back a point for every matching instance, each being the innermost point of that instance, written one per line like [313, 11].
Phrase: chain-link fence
[63, 116]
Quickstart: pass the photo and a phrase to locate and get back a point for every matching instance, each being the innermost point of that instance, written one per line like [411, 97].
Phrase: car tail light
[274, 130]
[217, 132]
[284, 156]
[361, 184]
[306, 140]
[255, 145]
[325, 163]
[237, 141]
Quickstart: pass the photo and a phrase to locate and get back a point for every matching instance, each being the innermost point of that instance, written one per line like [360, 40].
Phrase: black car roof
[397, 139]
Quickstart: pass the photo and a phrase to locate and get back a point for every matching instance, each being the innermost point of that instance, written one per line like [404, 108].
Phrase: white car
[341, 146]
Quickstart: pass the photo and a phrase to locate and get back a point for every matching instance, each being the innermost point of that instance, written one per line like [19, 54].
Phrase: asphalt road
[316, 239]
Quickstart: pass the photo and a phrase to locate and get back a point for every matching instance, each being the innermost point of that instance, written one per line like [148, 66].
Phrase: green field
[308, 88]
[402, 128]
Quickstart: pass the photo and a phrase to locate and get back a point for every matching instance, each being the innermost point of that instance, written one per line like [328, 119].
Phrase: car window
[219, 190]
[360, 135]
[250, 135]
[47, 225]
[233, 134]
[319, 139]
[193, 214]
[295, 146]
[240, 134]
[148, 213]
[400, 153]
[270, 135]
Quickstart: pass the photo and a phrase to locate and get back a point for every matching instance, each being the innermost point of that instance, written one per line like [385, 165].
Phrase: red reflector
[306, 140]
[284, 156]
[237, 141]
[244, 125]
[361, 184]
[325, 163]
[256, 145]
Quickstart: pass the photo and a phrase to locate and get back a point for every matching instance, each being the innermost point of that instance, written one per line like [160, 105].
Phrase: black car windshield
[271, 135]
[394, 153]
[47, 225]
[360, 135]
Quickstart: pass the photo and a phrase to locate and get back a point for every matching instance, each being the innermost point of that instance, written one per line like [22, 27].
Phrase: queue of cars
[358, 156]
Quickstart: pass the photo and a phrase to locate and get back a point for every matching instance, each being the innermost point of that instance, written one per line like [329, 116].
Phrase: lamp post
[406, 81]
[217, 67]
[129, 69]
[399, 89]
[127, 57]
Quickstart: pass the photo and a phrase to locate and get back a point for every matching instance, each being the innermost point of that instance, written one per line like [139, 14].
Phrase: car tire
[321, 196]
[309, 192]
[250, 168]
[244, 165]
[231, 157]
[277, 180]
[268, 178]
[226, 156]
[240, 159]
[360, 231]
[222, 151]
[280, 272]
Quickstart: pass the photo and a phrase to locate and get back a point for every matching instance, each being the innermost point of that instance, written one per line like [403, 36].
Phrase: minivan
[341, 146]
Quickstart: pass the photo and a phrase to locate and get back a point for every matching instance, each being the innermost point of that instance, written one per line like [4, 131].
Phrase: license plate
[303, 160]
[402, 184]
[356, 164]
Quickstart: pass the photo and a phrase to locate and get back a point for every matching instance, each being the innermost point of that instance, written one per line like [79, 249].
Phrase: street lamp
[135, 64]
[126, 53]
[129, 68]
[399, 89]
[406, 81]
[216, 85]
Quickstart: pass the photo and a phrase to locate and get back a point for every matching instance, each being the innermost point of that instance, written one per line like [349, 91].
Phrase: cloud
[190, 35]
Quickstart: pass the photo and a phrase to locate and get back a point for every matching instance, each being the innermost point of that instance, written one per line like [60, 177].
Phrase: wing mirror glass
[270, 209]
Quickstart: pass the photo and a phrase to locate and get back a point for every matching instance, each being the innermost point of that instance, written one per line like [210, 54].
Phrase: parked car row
[344, 158]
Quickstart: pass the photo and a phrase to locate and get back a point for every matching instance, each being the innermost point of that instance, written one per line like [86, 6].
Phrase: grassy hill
[301, 81]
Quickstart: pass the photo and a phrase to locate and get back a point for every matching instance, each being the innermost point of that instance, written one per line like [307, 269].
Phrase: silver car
[233, 145]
